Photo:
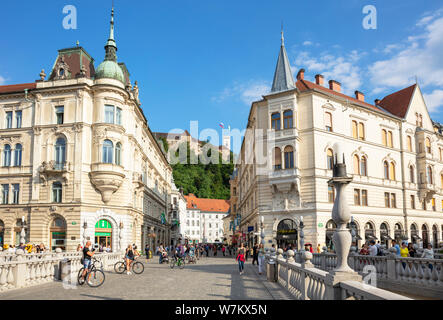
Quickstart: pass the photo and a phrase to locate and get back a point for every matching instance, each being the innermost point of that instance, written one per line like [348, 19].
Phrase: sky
[207, 60]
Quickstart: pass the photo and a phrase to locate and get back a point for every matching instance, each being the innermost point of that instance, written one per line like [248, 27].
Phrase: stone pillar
[20, 270]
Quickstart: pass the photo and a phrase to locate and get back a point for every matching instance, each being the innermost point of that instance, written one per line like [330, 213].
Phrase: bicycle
[190, 259]
[136, 266]
[94, 275]
[177, 261]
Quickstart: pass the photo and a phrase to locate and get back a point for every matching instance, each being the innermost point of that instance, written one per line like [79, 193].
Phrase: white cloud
[307, 43]
[434, 100]
[2, 80]
[246, 92]
[343, 68]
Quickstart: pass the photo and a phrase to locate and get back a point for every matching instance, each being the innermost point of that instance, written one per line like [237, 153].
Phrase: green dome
[109, 69]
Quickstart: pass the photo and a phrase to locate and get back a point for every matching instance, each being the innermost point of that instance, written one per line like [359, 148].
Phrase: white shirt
[372, 250]
[428, 254]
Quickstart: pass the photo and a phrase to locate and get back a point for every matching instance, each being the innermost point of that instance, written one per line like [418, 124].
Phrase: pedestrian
[241, 258]
[411, 249]
[160, 250]
[223, 250]
[428, 253]
[79, 247]
[364, 250]
[261, 258]
[372, 248]
[255, 254]
[207, 250]
[246, 253]
[147, 251]
[397, 247]
[318, 248]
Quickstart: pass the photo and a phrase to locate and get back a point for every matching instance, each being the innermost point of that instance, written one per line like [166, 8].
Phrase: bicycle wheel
[80, 280]
[172, 263]
[96, 278]
[119, 267]
[138, 267]
[181, 263]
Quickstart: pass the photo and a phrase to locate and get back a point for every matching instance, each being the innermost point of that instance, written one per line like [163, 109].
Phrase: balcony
[107, 178]
[426, 190]
[53, 169]
[137, 179]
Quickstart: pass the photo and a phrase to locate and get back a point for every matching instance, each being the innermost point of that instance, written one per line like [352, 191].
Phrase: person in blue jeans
[241, 258]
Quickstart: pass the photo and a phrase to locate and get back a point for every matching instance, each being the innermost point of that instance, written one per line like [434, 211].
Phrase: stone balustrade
[306, 282]
[24, 270]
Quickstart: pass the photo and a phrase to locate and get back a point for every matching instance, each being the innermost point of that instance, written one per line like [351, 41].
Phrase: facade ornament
[42, 75]
[61, 69]
[83, 71]
[135, 91]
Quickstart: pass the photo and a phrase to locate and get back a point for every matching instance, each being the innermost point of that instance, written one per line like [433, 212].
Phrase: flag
[163, 218]
[222, 125]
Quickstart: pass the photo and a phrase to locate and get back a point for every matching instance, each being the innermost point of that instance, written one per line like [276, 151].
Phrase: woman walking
[261, 258]
[241, 258]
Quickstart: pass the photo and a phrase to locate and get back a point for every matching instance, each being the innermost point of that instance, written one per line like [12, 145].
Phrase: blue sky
[206, 60]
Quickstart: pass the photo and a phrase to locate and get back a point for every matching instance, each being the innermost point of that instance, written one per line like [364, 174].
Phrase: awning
[371, 237]
[386, 237]
[415, 236]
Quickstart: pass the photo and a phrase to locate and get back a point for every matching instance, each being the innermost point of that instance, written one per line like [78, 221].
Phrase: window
[287, 119]
[356, 164]
[392, 171]
[60, 152]
[59, 114]
[386, 169]
[364, 198]
[15, 193]
[393, 201]
[354, 129]
[357, 197]
[108, 150]
[412, 201]
[387, 200]
[361, 131]
[118, 116]
[331, 194]
[363, 166]
[289, 157]
[328, 121]
[7, 155]
[434, 208]
[5, 193]
[390, 139]
[428, 145]
[421, 177]
[18, 155]
[411, 174]
[384, 139]
[277, 159]
[8, 119]
[109, 114]
[409, 141]
[330, 159]
[18, 119]
[429, 175]
[275, 121]
[118, 151]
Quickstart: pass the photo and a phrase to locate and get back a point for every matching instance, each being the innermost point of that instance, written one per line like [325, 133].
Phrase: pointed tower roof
[283, 79]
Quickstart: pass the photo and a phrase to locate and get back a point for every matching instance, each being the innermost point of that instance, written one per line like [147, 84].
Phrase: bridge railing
[24, 270]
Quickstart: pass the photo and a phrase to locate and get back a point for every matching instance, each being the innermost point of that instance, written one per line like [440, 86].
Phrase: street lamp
[23, 233]
[302, 235]
[262, 227]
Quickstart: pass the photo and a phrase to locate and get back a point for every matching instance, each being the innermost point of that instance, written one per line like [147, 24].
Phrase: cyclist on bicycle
[87, 257]
[130, 255]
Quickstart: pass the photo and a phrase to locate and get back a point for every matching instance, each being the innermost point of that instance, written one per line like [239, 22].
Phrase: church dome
[110, 69]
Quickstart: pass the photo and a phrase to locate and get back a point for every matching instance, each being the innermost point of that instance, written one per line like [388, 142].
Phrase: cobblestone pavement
[213, 278]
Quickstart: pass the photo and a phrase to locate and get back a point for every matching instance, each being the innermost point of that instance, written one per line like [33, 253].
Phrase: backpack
[379, 251]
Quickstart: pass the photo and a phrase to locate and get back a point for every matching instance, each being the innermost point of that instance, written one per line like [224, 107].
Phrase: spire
[283, 79]
[111, 46]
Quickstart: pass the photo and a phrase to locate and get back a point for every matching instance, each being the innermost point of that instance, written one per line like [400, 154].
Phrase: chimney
[301, 74]
[359, 96]
[319, 79]
[377, 101]
[335, 85]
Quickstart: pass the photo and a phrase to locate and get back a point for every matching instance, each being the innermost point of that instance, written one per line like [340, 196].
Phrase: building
[78, 160]
[204, 219]
[392, 149]
[178, 216]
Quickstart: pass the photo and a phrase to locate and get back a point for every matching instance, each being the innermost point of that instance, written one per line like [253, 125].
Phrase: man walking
[255, 254]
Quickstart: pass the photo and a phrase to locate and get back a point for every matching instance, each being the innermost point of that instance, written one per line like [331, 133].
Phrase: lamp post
[262, 227]
[23, 233]
[341, 213]
[85, 226]
[302, 235]
[354, 246]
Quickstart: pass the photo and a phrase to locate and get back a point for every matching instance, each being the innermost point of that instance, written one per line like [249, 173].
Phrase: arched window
[384, 137]
[60, 152]
[361, 131]
[7, 155]
[118, 151]
[398, 232]
[58, 233]
[108, 150]
[424, 235]
[288, 119]
[330, 159]
[57, 192]
[275, 121]
[386, 169]
[409, 143]
[429, 175]
[411, 174]
[428, 145]
[384, 234]
[18, 155]
[328, 121]
[392, 171]
[289, 157]
[330, 228]
[390, 140]
[356, 164]
[435, 236]
[354, 129]
[277, 159]
[363, 166]
[369, 232]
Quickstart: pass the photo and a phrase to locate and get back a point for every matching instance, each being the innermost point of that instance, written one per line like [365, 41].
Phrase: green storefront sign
[103, 234]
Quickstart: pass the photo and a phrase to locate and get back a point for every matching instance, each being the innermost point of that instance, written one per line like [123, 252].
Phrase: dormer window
[61, 72]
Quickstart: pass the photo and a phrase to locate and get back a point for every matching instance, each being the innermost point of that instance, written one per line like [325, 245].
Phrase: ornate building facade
[78, 160]
[392, 149]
